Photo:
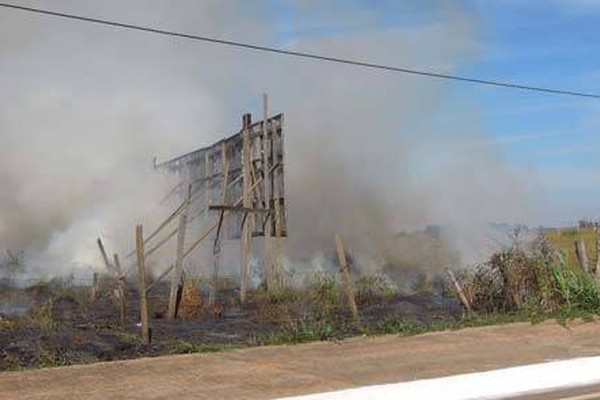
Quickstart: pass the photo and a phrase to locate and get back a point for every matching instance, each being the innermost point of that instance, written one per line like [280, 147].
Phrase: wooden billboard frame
[241, 178]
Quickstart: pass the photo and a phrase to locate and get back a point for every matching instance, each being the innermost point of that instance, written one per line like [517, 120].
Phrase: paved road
[585, 393]
[271, 372]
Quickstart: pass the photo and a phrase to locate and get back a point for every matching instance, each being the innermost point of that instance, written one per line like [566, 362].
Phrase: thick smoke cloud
[83, 109]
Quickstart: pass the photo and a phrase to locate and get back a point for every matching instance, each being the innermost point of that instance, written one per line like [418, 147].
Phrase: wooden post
[122, 287]
[341, 252]
[246, 249]
[459, 291]
[94, 293]
[217, 244]
[141, 267]
[268, 258]
[176, 273]
[582, 255]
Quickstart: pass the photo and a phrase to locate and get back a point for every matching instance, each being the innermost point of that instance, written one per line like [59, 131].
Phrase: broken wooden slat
[459, 290]
[176, 275]
[107, 263]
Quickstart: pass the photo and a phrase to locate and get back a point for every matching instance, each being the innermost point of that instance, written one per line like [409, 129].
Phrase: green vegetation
[400, 324]
[185, 347]
[534, 280]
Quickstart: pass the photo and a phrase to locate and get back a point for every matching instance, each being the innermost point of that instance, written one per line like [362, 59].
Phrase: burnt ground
[50, 325]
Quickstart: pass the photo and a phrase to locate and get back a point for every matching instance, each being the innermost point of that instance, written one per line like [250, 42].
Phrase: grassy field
[564, 241]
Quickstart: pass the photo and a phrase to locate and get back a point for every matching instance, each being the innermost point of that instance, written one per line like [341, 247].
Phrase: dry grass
[563, 240]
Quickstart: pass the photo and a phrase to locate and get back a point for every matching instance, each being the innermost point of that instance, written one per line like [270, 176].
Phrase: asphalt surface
[272, 372]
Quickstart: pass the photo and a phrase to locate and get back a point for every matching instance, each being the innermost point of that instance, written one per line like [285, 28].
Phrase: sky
[84, 108]
[550, 140]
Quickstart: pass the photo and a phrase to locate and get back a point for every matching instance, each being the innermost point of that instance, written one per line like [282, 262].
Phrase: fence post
[348, 287]
[141, 266]
[247, 203]
[582, 255]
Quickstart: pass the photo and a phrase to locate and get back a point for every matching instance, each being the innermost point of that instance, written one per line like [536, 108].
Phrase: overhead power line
[358, 63]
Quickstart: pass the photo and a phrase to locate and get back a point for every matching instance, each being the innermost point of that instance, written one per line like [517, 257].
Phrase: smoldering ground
[84, 109]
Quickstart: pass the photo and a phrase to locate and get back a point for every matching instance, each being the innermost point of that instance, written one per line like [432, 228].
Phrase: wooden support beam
[141, 264]
[347, 281]
[459, 291]
[176, 275]
[269, 264]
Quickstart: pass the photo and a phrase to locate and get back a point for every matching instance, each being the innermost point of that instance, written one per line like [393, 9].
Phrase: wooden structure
[235, 190]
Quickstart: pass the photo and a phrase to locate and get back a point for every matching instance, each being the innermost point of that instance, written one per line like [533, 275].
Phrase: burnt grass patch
[56, 324]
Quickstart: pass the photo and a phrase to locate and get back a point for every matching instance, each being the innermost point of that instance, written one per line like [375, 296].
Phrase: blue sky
[553, 44]
[551, 139]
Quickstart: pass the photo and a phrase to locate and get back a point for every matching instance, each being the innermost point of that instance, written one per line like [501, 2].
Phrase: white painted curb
[508, 382]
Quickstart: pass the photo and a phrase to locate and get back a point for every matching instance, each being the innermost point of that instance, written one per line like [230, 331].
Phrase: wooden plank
[139, 242]
[347, 281]
[459, 291]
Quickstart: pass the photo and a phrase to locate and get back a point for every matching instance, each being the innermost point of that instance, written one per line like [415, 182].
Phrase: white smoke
[84, 108]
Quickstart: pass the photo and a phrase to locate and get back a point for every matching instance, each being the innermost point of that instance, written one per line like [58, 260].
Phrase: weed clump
[534, 279]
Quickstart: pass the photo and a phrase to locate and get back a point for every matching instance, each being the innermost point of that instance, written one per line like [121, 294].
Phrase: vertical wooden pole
[217, 244]
[341, 252]
[94, 293]
[176, 273]
[268, 259]
[141, 267]
[246, 201]
[207, 174]
[122, 286]
[582, 255]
